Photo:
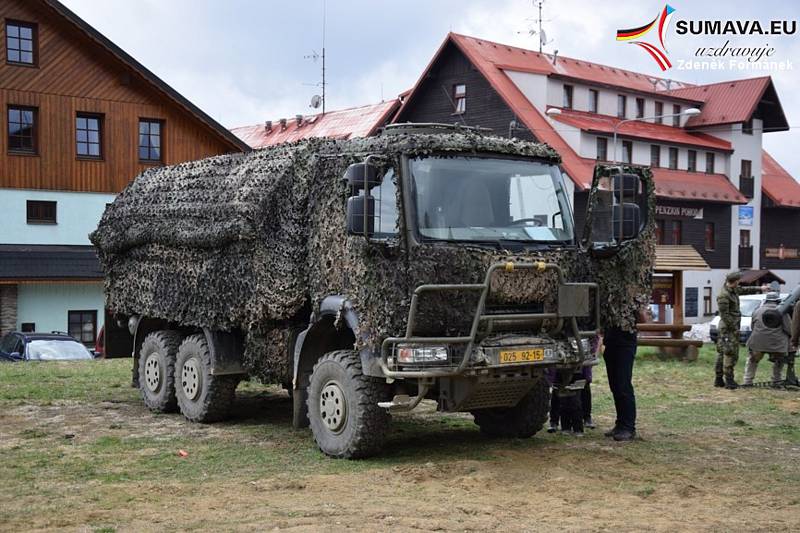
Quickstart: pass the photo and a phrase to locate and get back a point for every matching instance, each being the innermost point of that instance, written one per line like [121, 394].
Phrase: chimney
[555, 56]
[299, 120]
[283, 123]
[268, 126]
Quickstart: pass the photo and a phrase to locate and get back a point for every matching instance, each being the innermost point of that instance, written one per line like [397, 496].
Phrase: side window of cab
[387, 222]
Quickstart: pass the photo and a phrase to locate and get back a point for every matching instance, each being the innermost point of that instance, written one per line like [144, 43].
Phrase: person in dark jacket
[619, 354]
[767, 340]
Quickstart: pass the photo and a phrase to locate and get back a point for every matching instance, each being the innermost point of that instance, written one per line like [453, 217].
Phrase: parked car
[17, 346]
[747, 305]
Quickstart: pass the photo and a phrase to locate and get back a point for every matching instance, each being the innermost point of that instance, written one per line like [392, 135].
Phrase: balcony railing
[745, 257]
[747, 186]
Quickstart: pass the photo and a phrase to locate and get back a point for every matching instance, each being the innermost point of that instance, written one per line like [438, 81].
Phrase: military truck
[366, 275]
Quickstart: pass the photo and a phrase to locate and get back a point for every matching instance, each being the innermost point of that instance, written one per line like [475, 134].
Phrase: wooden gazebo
[671, 262]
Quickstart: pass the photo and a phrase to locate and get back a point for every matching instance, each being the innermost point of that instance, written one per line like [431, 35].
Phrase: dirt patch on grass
[663, 482]
[707, 459]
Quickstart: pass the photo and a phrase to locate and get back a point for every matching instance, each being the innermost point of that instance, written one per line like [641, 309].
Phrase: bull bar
[480, 317]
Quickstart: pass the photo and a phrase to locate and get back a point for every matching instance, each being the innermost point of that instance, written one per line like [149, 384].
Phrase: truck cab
[479, 342]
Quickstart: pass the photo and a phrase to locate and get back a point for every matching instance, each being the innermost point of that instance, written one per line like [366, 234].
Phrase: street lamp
[691, 112]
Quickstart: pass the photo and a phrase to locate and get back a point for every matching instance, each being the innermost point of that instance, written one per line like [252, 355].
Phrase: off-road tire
[213, 396]
[523, 420]
[163, 347]
[364, 425]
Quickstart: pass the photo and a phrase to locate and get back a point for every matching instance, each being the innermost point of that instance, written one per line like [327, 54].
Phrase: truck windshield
[469, 198]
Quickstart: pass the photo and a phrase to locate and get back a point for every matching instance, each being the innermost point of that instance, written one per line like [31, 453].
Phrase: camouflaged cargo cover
[255, 241]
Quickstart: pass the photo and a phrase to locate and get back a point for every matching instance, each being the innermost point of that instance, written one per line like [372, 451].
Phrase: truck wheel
[201, 396]
[521, 421]
[156, 370]
[343, 407]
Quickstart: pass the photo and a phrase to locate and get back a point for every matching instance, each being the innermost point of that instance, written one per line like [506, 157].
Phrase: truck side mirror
[626, 222]
[359, 209]
[618, 205]
[359, 174]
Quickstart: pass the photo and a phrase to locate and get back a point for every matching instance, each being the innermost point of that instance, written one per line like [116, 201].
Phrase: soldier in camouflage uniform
[729, 323]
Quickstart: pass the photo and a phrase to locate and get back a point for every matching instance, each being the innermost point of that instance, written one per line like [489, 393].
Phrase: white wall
[533, 86]
[714, 278]
[47, 304]
[77, 214]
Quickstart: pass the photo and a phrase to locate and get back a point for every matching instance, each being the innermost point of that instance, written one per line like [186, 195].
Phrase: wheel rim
[332, 407]
[191, 378]
[152, 372]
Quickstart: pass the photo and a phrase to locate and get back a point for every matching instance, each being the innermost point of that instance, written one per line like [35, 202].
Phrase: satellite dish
[316, 101]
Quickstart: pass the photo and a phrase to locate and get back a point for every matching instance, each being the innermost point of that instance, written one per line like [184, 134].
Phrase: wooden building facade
[80, 119]
[73, 72]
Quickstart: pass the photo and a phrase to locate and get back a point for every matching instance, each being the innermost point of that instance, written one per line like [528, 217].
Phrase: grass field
[78, 451]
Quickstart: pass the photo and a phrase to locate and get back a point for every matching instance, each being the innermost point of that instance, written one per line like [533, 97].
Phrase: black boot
[730, 383]
[718, 381]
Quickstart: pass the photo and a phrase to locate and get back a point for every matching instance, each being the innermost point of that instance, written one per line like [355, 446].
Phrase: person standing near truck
[730, 321]
[619, 353]
[767, 340]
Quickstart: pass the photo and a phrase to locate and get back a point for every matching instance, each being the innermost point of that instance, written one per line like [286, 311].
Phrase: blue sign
[745, 215]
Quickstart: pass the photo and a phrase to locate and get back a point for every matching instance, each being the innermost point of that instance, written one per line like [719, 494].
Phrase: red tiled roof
[725, 102]
[691, 186]
[518, 59]
[341, 124]
[778, 184]
[595, 123]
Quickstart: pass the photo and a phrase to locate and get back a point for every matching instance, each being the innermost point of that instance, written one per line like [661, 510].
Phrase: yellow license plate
[522, 356]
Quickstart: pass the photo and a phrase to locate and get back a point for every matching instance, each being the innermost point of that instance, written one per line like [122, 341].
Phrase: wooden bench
[673, 345]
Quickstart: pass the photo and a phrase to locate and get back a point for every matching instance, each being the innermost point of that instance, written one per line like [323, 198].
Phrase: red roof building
[360, 121]
[708, 166]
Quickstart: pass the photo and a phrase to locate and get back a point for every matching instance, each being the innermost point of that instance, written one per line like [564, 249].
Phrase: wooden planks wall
[74, 74]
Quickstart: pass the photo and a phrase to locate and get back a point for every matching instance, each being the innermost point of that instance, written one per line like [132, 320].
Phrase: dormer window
[20, 43]
[460, 97]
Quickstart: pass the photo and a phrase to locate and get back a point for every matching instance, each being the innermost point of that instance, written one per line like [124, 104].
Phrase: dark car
[16, 346]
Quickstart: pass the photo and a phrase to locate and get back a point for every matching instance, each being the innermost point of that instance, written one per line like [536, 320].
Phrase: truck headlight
[422, 354]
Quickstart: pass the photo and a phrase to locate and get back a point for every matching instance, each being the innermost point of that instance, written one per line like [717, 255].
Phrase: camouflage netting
[254, 241]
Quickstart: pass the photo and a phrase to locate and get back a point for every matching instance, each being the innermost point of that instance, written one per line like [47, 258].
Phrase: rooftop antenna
[316, 100]
[540, 31]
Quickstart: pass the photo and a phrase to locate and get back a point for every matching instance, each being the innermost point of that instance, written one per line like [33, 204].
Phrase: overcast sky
[242, 61]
